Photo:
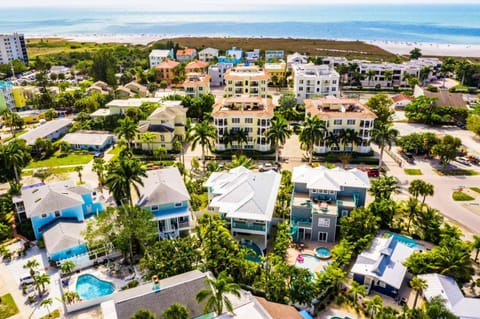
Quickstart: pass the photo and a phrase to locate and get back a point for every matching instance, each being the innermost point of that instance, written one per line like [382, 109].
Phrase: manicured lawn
[55, 171]
[456, 172]
[412, 171]
[54, 314]
[475, 189]
[54, 161]
[461, 196]
[17, 134]
[8, 307]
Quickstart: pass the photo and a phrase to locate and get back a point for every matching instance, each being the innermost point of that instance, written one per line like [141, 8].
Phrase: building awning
[305, 314]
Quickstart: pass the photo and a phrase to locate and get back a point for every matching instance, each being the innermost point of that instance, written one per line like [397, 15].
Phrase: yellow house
[251, 114]
[341, 114]
[32, 116]
[166, 124]
[276, 70]
[196, 84]
[19, 97]
[246, 81]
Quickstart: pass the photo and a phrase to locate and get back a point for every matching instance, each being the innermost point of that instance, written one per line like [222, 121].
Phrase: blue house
[89, 140]
[380, 267]
[58, 208]
[321, 197]
[165, 195]
[233, 55]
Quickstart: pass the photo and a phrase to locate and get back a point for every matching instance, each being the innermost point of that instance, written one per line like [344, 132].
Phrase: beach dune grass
[55, 161]
[8, 307]
[461, 196]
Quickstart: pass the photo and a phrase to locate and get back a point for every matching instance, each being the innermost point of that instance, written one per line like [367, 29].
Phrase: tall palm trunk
[311, 155]
[203, 157]
[380, 160]
[416, 299]
[276, 152]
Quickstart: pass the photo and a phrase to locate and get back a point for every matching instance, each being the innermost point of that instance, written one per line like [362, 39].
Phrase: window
[344, 212]
[44, 215]
[314, 190]
[300, 88]
[381, 284]
[323, 222]
[322, 236]
[235, 120]
[57, 213]
[154, 208]
[249, 120]
[350, 122]
[337, 122]
[178, 204]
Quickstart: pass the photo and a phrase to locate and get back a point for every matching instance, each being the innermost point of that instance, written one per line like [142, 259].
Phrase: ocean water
[458, 23]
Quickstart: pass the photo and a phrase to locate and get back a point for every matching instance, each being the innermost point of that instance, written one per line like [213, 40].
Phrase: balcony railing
[242, 225]
[302, 222]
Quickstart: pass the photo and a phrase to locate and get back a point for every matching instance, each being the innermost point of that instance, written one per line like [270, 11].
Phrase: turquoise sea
[458, 23]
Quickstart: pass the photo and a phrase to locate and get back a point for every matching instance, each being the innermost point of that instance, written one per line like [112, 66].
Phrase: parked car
[408, 157]
[373, 172]
[463, 160]
[268, 167]
[98, 155]
[27, 280]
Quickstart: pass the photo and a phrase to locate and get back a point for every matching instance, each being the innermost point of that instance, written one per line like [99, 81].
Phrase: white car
[267, 167]
[463, 160]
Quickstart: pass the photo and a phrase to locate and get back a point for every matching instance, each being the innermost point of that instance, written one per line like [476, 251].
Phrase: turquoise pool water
[407, 241]
[90, 287]
[255, 248]
[323, 252]
[309, 262]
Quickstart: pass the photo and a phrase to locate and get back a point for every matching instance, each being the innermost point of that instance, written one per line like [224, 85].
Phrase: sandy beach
[435, 49]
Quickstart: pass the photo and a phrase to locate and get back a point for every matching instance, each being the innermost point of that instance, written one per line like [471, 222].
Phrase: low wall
[80, 305]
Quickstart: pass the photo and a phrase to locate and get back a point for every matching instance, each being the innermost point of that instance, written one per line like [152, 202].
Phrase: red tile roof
[401, 97]
[187, 51]
[167, 64]
[196, 65]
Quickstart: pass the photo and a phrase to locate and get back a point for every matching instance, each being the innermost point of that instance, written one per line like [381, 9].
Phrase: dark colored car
[373, 172]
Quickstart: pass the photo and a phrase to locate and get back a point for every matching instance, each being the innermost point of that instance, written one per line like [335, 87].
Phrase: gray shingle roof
[163, 186]
[87, 138]
[177, 289]
[63, 235]
[45, 129]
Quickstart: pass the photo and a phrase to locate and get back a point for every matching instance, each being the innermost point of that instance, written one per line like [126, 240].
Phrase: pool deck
[310, 247]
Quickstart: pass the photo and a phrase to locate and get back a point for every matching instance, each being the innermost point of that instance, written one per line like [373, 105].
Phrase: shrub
[461, 196]
[130, 284]
[475, 189]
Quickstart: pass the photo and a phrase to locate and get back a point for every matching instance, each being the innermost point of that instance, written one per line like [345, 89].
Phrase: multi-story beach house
[12, 47]
[208, 54]
[381, 267]
[246, 81]
[271, 55]
[339, 114]
[234, 55]
[217, 73]
[7, 101]
[57, 212]
[196, 67]
[250, 114]
[252, 56]
[196, 84]
[314, 81]
[158, 56]
[165, 195]
[165, 71]
[246, 199]
[185, 55]
[296, 58]
[322, 196]
[167, 123]
[276, 71]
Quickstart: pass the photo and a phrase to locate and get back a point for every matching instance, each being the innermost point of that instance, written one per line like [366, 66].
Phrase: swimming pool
[407, 241]
[90, 287]
[258, 252]
[310, 262]
[323, 253]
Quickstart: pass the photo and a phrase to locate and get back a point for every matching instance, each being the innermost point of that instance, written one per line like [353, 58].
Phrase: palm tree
[40, 281]
[176, 311]
[241, 137]
[411, 209]
[356, 290]
[67, 267]
[228, 138]
[417, 284]
[148, 138]
[79, 170]
[122, 175]
[383, 187]
[424, 73]
[203, 133]
[349, 136]
[412, 81]
[370, 75]
[16, 155]
[128, 129]
[278, 133]
[388, 75]
[419, 187]
[70, 297]
[476, 245]
[374, 305]
[313, 133]
[241, 160]
[31, 264]
[47, 302]
[143, 314]
[461, 69]
[384, 135]
[99, 168]
[216, 296]
[333, 139]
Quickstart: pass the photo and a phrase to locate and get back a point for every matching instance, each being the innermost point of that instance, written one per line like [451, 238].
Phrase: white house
[208, 54]
[296, 58]
[246, 199]
[158, 56]
[314, 80]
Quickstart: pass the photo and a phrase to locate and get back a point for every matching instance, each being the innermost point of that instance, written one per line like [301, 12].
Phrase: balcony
[302, 222]
[248, 226]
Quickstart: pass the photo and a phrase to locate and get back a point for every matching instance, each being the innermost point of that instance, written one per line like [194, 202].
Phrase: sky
[191, 5]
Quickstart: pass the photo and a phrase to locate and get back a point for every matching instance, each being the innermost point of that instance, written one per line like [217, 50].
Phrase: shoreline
[394, 47]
